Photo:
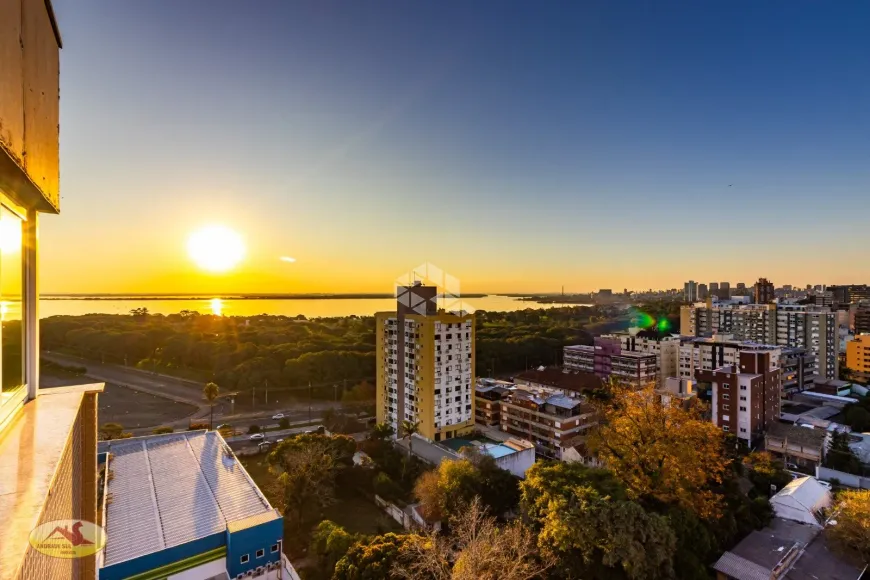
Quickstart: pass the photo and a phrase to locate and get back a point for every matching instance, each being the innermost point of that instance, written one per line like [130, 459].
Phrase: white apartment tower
[425, 371]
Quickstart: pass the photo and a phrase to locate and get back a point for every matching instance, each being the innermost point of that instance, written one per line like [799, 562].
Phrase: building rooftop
[557, 378]
[790, 550]
[168, 490]
[800, 435]
[801, 500]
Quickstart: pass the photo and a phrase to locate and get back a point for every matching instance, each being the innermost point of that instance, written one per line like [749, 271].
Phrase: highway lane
[190, 392]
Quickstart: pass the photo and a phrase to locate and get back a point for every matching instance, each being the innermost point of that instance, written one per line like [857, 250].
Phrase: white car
[257, 437]
[278, 416]
[824, 483]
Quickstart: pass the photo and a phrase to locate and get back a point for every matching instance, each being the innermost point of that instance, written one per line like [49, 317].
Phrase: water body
[308, 307]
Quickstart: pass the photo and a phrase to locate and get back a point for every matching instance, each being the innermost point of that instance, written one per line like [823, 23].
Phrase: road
[185, 391]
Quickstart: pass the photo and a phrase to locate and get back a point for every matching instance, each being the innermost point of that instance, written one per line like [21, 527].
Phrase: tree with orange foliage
[661, 453]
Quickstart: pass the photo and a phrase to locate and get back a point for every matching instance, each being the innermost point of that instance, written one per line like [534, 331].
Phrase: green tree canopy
[447, 491]
[595, 535]
[375, 559]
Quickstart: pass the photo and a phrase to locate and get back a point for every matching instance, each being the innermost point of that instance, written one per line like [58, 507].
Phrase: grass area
[351, 510]
[358, 515]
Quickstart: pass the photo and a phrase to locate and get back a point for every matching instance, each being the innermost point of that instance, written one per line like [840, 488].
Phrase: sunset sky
[519, 146]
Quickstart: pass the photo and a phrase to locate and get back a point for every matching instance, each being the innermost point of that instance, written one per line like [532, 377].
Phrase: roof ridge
[207, 483]
[155, 504]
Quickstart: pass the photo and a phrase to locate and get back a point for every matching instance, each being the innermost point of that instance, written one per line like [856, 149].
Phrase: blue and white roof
[167, 490]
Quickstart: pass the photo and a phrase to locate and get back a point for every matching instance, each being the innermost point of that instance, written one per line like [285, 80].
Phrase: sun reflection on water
[217, 306]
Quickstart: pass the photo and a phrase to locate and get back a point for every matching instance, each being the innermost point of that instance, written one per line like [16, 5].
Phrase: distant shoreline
[138, 297]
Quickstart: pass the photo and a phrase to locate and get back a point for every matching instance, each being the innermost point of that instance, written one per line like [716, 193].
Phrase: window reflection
[11, 285]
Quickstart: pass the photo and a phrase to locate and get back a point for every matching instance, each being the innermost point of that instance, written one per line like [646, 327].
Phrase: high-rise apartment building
[810, 327]
[48, 437]
[850, 294]
[690, 291]
[425, 366]
[764, 291]
[744, 321]
[714, 288]
[858, 356]
[746, 395]
[724, 290]
[702, 292]
[862, 318]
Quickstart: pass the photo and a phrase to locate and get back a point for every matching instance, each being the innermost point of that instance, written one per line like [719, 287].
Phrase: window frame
[29, 317]
[245, 559]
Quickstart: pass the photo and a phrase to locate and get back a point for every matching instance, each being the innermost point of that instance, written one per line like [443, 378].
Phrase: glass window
[261, 553]
[244, 559]
[11, 292]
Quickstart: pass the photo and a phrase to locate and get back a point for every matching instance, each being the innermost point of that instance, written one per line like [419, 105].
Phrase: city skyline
[521, 150]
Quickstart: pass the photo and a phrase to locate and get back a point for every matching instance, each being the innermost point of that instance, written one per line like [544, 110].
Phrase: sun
[216, 248]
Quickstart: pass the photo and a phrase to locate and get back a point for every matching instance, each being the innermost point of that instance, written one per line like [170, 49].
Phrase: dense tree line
[243, 353]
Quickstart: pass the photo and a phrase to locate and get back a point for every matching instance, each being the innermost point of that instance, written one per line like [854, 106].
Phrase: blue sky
[520, 147]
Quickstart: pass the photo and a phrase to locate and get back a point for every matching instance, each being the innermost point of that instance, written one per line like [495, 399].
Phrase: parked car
[257, 437]
[278, 416]
[791, 466]
[824, 483]
[224, 426]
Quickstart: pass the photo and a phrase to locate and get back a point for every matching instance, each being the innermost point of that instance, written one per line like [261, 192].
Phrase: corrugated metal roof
[563, 401]
[170, 489]
[740, 568]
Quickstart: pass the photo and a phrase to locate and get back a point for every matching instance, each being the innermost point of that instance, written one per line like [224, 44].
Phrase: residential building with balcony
[813, 328]
[425, 366]
[553, 423]
[801, 446]
[861, 324]
[745, 396]
[788, 325]
[755, 322]
[487, 404]
[666, 349]
[708, 354]
[606, 359]
[799, 369]
[48, 437]
[858, 356]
